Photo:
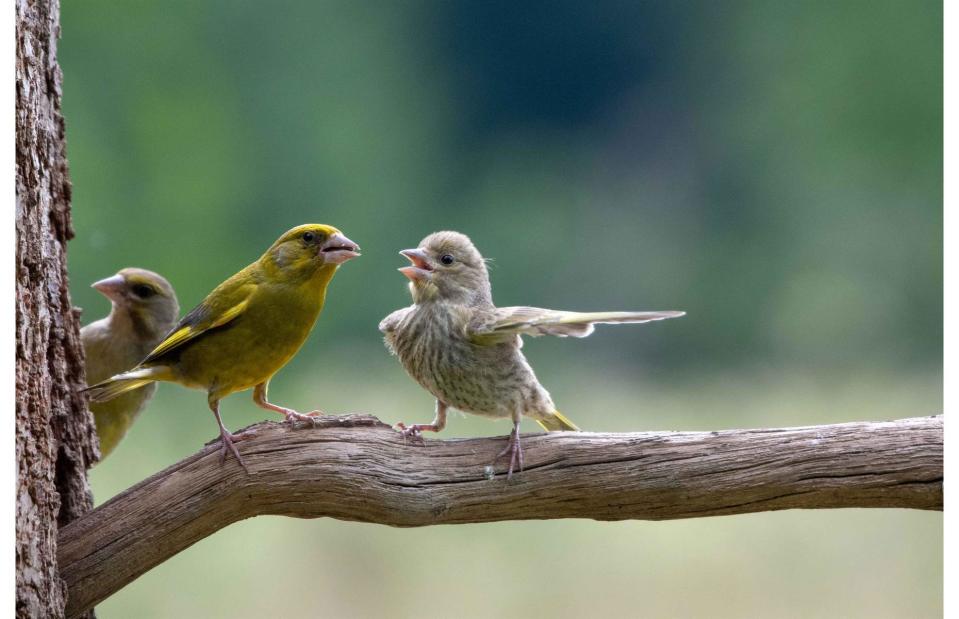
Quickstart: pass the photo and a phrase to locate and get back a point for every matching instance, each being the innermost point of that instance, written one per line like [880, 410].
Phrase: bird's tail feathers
[557, 422]
[121, 383]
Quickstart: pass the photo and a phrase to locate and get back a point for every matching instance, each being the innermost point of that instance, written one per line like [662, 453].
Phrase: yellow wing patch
[188, 332]
[174, 340]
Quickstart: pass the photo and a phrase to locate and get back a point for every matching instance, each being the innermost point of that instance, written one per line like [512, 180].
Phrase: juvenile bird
[466, 351]
[143, 310]
[248, 328]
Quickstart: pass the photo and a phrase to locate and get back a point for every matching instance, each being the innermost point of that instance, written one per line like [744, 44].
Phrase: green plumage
[249, 327]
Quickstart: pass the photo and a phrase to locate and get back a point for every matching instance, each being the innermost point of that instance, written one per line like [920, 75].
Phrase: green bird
[143, 309]
[248, 328]
[466, 351]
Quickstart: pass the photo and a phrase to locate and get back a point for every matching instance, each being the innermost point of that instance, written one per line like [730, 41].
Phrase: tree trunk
[55, 439]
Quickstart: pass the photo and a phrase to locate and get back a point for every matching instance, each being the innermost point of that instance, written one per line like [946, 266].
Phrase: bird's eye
[308, 237]
[143, 291]
[446, 259]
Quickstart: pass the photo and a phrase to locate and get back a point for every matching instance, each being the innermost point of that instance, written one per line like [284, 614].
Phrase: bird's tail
[557, 422]
[121, 383]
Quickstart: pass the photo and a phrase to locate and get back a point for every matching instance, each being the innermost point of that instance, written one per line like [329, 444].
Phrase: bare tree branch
[357, 468]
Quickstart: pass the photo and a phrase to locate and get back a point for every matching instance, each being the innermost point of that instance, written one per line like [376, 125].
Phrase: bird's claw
[515, 452]
[409, 432]
[313, 417]
[227, 446]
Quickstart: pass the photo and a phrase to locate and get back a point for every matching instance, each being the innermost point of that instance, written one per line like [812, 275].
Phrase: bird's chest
[433, 348]
[277, 325]
[254, 346]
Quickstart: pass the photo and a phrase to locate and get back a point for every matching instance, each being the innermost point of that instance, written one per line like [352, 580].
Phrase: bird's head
[447, 266]
[145, 296]
[305, 250]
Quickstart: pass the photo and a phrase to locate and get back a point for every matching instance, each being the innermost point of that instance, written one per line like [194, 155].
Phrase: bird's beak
[420, 269]
[338, 249]
[111, 287]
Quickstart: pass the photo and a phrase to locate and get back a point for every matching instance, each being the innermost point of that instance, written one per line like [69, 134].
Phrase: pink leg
[226, 439]
[259, 398]
[514, 449]
[439, 422]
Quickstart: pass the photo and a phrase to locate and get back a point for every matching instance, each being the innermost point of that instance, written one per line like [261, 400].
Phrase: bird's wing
[506, 322]
[222, 306]
[389, 323]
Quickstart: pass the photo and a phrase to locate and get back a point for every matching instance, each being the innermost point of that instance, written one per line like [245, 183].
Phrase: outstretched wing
[227, 302]
[506, 322]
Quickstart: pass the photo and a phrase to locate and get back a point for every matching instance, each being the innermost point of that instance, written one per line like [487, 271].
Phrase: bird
[248, 328]
[466, 352]
[143, 310]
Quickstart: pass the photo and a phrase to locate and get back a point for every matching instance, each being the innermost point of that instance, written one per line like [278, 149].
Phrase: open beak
[420, 269]
[111, 287]
[338, 249]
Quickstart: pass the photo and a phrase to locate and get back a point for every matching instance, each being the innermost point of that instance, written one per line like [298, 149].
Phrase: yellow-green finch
[466, 351]
[143, 310]
[248, 328]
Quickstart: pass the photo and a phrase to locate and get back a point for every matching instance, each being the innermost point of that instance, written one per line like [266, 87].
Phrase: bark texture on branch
[55, 438]
[356, 468]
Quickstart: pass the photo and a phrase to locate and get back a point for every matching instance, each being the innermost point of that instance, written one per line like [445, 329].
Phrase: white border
[950, 31]
[8, 167]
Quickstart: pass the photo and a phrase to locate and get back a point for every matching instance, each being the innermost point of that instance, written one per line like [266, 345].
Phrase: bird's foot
[292, 417]
[408, 432]
[515, 452]
[227, 445]
[414, 431]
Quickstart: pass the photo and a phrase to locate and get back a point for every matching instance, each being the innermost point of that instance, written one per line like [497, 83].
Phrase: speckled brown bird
[466, 351]
[143, 310]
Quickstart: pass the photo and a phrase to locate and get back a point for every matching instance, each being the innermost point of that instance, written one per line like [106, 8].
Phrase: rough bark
[356, 468]
[55, 439]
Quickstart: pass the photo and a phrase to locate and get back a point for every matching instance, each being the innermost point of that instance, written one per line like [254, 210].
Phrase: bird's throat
[423, 291]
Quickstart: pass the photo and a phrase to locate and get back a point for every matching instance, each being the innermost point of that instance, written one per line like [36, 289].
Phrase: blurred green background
[772, 168]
